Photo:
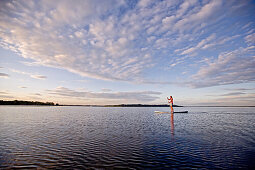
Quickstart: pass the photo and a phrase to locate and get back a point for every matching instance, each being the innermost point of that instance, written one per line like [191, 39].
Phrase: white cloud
[200, 45]
[72, 36]
[237, 99]
[35, 76]
[250, 39]
[185, 6]
[206, 12]
[136, 96]
[226, 100]
[4, 94]
[38, 76]
[229, 68]
[100, 40]
[233, 94]
[247, 25]
[220, 41]
[78, 34]
[144, 3]
[208, 43]
[106, 90]
[239, 89]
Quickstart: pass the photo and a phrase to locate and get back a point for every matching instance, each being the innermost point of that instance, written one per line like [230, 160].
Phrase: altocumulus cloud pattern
[196, 41]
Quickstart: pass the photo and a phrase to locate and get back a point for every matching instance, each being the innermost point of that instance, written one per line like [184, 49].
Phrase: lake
[126, 137]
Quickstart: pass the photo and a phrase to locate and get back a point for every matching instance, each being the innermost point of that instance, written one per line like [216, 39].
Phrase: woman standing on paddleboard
[171, 102]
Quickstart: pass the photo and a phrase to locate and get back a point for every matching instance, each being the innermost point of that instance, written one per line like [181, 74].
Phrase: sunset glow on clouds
[142, 51]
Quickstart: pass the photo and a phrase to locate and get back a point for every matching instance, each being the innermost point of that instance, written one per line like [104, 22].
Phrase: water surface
[99, 137]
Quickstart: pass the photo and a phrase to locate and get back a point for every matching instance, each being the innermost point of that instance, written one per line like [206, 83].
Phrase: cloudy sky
[202, 52]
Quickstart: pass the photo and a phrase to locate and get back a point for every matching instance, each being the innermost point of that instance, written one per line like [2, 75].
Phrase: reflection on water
[172, 124]
[85, 137]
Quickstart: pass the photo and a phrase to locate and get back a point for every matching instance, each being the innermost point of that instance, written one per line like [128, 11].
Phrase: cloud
[205, 12]
[239, 89]
[220, 41]
[207, 43]
[247, 25]
[106, 90]
[233, 94]
[35, 76]
[4, 94]
[19, 72]
[37, 94]
[161, 82]
[30, 63]
[200, 45]
[4, 75]
[250, 39]
[185, 6]
[229, 68]
[232, 100]
[144, 3]
[104, 41]
[238, 100]
[38, 76]
[72, 36]
[146, 96]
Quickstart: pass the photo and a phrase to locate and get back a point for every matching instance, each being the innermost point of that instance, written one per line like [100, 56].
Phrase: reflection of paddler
[171, 102]
[172, 124]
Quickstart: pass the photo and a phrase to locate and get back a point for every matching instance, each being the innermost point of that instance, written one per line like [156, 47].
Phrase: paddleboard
[182, 112]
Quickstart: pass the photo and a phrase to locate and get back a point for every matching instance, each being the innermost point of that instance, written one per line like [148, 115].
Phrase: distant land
[141, 105]
[21, 102]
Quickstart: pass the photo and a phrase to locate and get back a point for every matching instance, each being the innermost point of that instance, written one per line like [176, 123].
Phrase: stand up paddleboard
[182, 112]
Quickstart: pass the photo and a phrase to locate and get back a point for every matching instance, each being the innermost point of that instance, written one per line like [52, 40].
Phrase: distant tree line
[141, 105]
[21, 102]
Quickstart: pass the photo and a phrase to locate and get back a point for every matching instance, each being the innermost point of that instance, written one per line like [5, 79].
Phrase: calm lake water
[138, 138]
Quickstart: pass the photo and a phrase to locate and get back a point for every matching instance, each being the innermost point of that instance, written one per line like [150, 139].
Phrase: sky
[202, 52]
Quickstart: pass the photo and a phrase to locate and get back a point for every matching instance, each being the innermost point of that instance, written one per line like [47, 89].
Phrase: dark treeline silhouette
[21, 102]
